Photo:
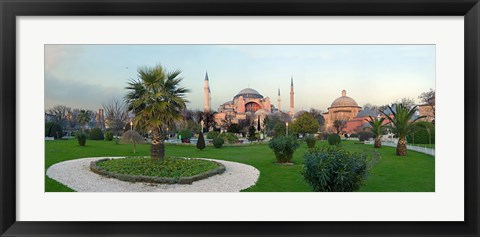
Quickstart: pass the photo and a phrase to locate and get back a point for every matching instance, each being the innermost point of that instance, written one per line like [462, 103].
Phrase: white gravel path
[76, 175]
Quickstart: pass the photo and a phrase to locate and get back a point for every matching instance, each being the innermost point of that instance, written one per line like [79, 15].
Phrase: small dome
[248, 93]
[344, 101]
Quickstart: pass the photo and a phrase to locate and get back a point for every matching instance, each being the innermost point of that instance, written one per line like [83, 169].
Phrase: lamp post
[131, 125]
[287, 129]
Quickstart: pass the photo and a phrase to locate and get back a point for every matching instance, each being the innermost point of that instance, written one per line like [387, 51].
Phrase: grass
[423, 145]
[169, 167]
[413, 173]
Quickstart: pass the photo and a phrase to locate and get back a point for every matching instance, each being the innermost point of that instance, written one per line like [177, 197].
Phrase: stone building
[342, 108]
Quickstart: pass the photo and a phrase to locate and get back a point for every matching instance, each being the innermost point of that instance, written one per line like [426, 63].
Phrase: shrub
[53, 129]
[280, 129]
[229, 137]
[81, 137]
[334, 139]
[201, 142]
[365, 136]
[333, 169]
[311, 140]
[185, 135]
[108, 136]
[251, 134]
[284, 147]
[218, 142]
[421, 134]
[95, 134]
[212, 135]
[325, 136]
[353, 135]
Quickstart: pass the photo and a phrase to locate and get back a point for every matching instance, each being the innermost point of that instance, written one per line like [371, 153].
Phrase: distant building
[343, 108]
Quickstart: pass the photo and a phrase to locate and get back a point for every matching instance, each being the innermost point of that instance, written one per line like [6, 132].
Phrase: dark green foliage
[325, 136]
[53, 129]
[311, 140]
[201, 142]
[284, 147]
[280, 129]
[251, 133]
[218, 142]
[81, 137]
[185, 133]
[365, 136]
[212, 135]
[108, 136]
[332, 169]
[167, 167]
[234, 128]
[229, 137]
[334, 139]
[353, 135]
[421, 135]
[95, 134]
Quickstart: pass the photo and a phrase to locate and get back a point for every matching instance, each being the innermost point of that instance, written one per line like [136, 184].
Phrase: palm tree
[403, 123]
[157, 100]
[377, 128]
[83, 117]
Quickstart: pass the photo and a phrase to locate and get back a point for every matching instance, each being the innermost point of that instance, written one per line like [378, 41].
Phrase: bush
[108, 136]
[333, 169]
[284, 147]
[311, 140]
[334, 139]
[185, 135]
[229, 137]
[365, 136]
[201, 141]
[353, 135]
[53, 129]
[95, 134]
[421, 134]
[325, 136]
[280, 129]
[218, 142]
[212, 135]
[81, 137]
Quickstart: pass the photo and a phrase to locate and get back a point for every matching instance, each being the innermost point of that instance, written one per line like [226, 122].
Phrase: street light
[131, 125]
[287, 129]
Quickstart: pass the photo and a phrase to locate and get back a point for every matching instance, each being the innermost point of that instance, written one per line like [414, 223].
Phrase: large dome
[344, 101]
[248, 93]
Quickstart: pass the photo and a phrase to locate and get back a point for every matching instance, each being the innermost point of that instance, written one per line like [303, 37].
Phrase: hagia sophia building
[249, 102]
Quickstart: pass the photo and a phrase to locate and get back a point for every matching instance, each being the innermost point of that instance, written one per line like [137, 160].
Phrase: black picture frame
[10, 9]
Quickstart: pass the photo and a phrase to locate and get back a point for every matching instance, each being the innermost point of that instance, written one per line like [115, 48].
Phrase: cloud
[56, 54]
[77, 94]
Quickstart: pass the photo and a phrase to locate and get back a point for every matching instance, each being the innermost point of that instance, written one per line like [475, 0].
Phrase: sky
[87, 76]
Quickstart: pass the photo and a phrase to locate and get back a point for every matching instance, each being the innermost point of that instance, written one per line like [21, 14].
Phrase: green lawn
[423, 145]
[413, 173]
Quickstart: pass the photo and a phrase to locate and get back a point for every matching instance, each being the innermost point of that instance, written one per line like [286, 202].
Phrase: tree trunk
[402, 147]
[378, 142]
[157, 149]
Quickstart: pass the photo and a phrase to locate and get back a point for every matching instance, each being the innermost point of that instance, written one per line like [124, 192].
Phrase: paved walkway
[76, 175]
[425, 150]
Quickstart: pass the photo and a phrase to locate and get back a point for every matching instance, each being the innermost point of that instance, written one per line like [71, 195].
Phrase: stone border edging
[150, 179]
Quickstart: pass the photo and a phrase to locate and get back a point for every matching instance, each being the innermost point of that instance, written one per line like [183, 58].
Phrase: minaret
[292, 103]
[279, 100]
[207, 99]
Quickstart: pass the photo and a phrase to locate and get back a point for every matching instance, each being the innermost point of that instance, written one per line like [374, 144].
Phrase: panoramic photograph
[239, 118]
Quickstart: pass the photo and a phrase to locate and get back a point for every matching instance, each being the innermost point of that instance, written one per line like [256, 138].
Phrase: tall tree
[83, 118]
[60, 113]
[377, 127]
[403, 120]
[157, 99]
[115, 115]
[304, 124]
[407, 102]
[339, 125]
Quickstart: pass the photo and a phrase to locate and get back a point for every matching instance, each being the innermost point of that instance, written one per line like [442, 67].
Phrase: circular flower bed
[168, 170]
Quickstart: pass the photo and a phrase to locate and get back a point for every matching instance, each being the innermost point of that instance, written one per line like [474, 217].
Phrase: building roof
[367, 112]
[248, 93]
[344, 101]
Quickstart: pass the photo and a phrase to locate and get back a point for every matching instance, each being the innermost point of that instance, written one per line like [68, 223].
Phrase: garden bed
[169, 170]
